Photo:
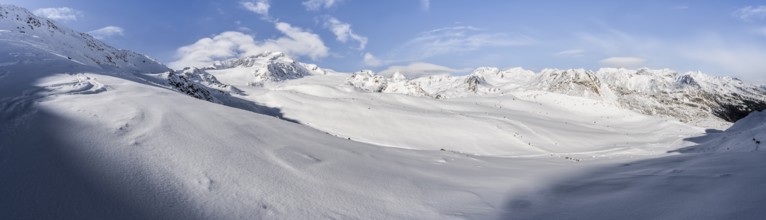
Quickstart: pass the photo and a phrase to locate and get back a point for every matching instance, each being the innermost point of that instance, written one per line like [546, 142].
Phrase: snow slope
[133, 140]
[161, 154]
[364, 107]
[84, 141]
[535, 124]
[747, 135]
[497, 112]
[725, 183]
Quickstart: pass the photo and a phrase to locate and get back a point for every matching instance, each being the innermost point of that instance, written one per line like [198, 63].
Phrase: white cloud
[107, 31]
[244, 29]
[260, 7]
[418, 69]
[425, 4]
[316, 5]
[751, 13]
[61, 14]
[206, 50]
[626, 62]
[343, 32]
[371, 60]
[232, 44]
[571, 53]
[297, 42]
[457, 39]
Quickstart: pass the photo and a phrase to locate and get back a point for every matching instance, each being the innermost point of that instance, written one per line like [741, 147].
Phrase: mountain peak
[577, 82]
[269, 66]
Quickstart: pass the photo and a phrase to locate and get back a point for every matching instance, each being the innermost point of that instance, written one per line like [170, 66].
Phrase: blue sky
[719, 37]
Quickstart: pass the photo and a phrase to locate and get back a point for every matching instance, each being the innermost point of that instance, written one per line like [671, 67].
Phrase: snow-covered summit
[576, 82]
[36, 39]
[483, 80]
[268, 67]
[496, 76]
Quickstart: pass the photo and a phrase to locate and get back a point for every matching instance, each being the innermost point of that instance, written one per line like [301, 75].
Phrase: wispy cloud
[458, 39]
[626, 62]
[61, 14]
[232, 44]
[570, 53]
[343, 32]
[751, 13]
[316, 5]
[371, 60]
[260, 7]
[425, 4]
[106, 32]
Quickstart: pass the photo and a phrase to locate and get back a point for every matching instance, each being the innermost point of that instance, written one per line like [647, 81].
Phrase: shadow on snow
[725, 185]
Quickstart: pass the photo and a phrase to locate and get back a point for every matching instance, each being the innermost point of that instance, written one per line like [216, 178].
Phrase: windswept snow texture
[94, 137]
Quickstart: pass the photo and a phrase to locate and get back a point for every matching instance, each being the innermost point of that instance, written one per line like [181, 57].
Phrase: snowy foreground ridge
[88, 131]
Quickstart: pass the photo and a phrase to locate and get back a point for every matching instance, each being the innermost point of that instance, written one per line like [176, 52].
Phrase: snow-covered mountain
[368, 81]
[435, 86]
[688, 97]
[86, 136]
[685, 96]
[19, 28]
[267, 67]
[34, 41]
[575, 82]
[199, 83]
[194, 82]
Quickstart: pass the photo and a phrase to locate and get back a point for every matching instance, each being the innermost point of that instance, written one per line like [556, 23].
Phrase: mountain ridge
[653, 92]
[22, 27]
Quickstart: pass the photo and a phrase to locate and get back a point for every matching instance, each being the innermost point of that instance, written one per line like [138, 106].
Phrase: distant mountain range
[686, 96]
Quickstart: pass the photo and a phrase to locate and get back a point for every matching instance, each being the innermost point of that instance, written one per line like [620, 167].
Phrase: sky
[434, 36]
